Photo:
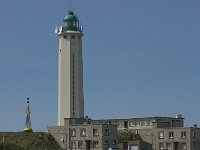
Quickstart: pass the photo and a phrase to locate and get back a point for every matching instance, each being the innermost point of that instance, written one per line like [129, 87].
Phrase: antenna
[70, 5]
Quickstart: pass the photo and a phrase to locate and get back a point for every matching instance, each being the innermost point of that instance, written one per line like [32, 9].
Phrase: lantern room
[71, 22]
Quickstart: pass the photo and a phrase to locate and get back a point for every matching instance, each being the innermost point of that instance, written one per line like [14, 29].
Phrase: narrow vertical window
[95, 132]
[183, 134]
[171, 135]
[106, 131]
[83, 132]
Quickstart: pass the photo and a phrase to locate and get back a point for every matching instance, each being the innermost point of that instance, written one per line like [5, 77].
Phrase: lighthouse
[70, 69]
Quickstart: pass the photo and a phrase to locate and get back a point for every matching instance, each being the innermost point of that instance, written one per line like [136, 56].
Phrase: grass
[28, 141]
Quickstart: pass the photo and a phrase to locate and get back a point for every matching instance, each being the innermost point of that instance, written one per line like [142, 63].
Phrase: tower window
[72, 36]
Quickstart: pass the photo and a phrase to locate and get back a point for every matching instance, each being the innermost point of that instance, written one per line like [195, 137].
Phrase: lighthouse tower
[70, 69]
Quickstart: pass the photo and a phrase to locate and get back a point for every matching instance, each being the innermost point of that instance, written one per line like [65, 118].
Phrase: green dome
[70, 17]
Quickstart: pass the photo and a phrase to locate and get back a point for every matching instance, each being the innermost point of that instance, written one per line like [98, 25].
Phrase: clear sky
[141, 58]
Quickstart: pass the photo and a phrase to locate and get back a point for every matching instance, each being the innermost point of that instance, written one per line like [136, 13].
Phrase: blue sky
[141, 58]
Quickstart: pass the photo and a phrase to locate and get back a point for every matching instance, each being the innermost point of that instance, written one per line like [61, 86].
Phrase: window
[151, 122]
[168, 146]
[161, 145]
[132, 124]
[95, 144]
[80, 144]
[161, 134]
[198, 143]
[107, 131]
[142, 123]
[120, 124]
[183, 145]
[83, 132]
[106, 142]
[72, 132]
[95, 132]
[72, 36]
[171, 135]
[193, 134]
[146, 122]
[193, 144]
[114, 142]
[73, 144]
[137, 123]
[183, 134]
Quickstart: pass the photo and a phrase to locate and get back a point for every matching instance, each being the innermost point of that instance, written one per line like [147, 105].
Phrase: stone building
[82, 134]
[162, 133]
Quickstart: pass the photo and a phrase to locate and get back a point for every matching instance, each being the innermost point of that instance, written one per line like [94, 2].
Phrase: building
[82, 134]
[162, 133]
[70, 69]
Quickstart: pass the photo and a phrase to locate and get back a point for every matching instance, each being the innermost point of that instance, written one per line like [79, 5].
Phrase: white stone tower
[70, 69]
